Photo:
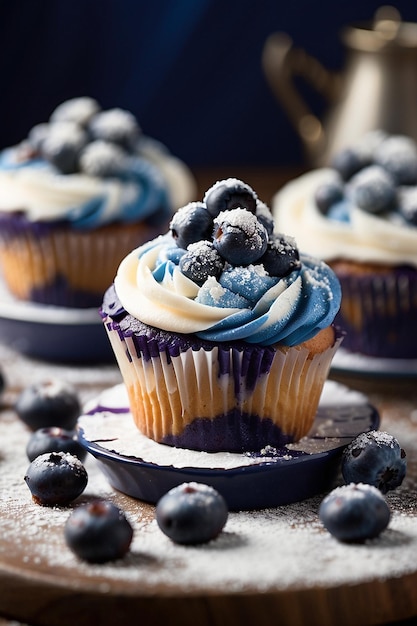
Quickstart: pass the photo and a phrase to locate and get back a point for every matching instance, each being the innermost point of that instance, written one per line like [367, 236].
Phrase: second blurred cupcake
[360, 216]
[76, 195]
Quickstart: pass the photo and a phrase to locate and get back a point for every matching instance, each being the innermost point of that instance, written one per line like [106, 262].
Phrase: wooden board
[274, 566]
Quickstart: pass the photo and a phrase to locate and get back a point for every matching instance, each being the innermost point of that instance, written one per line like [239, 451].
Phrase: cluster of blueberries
[98, 531]
[379, 176]
[80, 137]
[230, 228]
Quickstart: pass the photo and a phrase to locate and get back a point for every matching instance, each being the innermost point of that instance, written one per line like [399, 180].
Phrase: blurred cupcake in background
[76, 196]
[360, 216]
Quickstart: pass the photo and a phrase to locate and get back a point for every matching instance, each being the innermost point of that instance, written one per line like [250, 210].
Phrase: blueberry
[354, 513]
[398, 155]
[116, 126]
[37, 136]
[281, 256]
[98, 532]
[373, 190]
[407, 204]
[54, 439]
[349, 161]
[48, 403]
[239, 236]
[56, 478]
[102, 159]
[328, 194]
[78, 110]
[230, 193]
[190, 224]
[62, 146]
[375, 458]
[264, 215]
[201, 261]
[191, 513]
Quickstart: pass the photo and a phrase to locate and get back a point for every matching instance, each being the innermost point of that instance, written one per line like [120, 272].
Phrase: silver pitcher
[376, 90]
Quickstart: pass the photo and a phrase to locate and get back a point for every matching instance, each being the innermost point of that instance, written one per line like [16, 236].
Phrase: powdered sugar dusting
[284, 548]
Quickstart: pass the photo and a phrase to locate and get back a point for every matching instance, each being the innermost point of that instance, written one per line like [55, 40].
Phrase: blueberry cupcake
[360, 217]
[222, 329]
[76, 195]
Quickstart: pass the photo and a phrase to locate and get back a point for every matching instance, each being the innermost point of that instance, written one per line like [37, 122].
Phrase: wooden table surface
[32, 591]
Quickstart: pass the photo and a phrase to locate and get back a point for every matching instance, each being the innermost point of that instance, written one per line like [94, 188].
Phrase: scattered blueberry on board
[56, 478]
[191, 513]
[54, 439]
[375, 458]
[98, 532]
[48, 403]
[354, 513]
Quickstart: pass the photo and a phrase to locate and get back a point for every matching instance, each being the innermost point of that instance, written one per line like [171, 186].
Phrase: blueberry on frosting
[373, 189]
[103, 159]
[228, 194]
[200, 261]
[349, 161]
[398, 156]
[239, 236]
[328, 194]
[408, 204]
[78, 110]
[117, 126]
[281, 256]
[191, 223]
[62, 145]
[264, 215]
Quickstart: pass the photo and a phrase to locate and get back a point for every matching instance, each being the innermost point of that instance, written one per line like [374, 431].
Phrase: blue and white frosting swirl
[154, 182]
[245, 303]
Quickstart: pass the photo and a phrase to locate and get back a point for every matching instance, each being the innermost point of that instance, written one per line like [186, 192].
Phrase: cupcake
[222, 329]
[360, 217]
[76, 196]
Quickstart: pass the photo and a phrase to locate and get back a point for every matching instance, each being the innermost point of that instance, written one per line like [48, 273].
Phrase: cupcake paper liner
[62, 266]
[212, 399]
[379, 313]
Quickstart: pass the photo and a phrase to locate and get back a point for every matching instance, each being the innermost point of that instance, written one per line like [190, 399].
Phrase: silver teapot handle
[281, 62]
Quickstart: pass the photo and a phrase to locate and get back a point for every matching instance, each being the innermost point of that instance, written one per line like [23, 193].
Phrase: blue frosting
[270, 311]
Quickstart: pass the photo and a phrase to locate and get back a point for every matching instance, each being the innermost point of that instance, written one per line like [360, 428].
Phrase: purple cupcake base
[222, 433]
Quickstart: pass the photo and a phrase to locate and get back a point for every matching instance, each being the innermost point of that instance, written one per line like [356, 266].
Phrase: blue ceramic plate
[53, 333]
[143, 469]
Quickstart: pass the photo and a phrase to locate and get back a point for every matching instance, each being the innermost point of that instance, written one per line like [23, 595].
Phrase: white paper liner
[166, 396]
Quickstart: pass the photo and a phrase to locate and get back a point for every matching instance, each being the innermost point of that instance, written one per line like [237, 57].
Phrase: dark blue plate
[53, 333]
[143, 469]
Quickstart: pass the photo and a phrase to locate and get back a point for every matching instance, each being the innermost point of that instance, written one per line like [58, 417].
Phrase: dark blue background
[189, 69]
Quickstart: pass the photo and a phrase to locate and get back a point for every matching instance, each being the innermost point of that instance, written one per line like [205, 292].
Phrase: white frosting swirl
[365, 238]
